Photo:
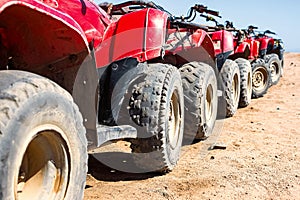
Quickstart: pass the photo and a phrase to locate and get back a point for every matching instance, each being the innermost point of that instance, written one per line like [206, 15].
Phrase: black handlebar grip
[252, 27]
[212, 12]
[269, 32]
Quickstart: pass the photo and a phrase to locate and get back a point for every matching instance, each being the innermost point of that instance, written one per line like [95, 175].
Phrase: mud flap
[85, 95]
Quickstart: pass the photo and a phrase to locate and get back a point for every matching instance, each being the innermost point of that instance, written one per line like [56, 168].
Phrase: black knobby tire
[282, 66]
[230, 75]
[157, 104]
[261, 77]
[200, 100]
[274, 64]
[43, 152]
[246, 82]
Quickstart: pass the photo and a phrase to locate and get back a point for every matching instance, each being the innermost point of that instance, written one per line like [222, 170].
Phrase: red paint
[41, 33]
[241, 47]
[139, 34]
[254, 48]
[249, 47]
[264, 42]
[223, 42]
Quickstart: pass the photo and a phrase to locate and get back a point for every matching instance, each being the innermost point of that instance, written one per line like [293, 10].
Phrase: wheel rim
[275, 71]
[209, 103]
[44, 169]
[174, 120]
[235, 88]
[260, 78]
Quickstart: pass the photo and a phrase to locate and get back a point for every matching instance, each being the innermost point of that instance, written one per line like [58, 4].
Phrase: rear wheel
[200, 100]
[230, 74]
[157, 104]
[274, 64]
[43, 151]
[261, 78]
[282, 66]
[246, 82]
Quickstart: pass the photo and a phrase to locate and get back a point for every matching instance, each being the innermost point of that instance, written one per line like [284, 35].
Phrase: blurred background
[281, 17]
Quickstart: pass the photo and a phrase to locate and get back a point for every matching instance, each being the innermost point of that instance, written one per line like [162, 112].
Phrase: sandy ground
[261, 161]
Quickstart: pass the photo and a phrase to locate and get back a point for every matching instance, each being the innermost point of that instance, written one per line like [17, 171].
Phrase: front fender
[202, 39]
[264, 43]
[47, 38]
[241, 48]
[189, 47]
[13, 10]
[142, 39]
[36, 35]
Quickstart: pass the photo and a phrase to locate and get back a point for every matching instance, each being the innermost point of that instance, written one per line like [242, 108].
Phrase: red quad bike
[166, 41]
[74, 77]
[247, 47]
[271, 50]
[235, 71]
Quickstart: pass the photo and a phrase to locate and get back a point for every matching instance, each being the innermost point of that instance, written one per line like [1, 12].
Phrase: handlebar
[208, 18]
[137, 3]
[197, 8]
[252, 27]
[203, 9]
[128, 6]
[269, 32]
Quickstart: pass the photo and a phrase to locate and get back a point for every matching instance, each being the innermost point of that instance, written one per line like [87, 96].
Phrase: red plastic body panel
[242, 47]
[223, 42]
[37, 33]
[189, 45]
[249, 47]
[201, 39]
[254, 48]
[264, 42]
[142, 39]
[92, 19]
[156, 33]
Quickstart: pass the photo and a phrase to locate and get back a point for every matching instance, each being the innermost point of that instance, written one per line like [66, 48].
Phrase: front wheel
[230, 74]
[282, 66]
[157, 104]
[261, 78]
[200, 100]
[43, 152]
[246, 82]
[274, 64]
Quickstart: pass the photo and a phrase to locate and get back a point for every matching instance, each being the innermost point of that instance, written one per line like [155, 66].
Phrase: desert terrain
[261, 159]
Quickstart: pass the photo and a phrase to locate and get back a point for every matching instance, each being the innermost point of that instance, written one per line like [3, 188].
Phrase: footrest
[108, 133]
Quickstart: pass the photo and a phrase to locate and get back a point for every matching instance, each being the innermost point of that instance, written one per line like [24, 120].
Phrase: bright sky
[282, 17]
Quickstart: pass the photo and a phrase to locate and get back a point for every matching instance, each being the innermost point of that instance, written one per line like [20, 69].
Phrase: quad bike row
[259, 55]
[259, 48]
[75, 76]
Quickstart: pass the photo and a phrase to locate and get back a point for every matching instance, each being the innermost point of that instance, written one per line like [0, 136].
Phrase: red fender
[182, 40]
[254, 48]
[37, 33]
[187, 46]
[242, 47]
[142, 39]
[223, 42]
[250, 45]
[264, 42]
[202, 40]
